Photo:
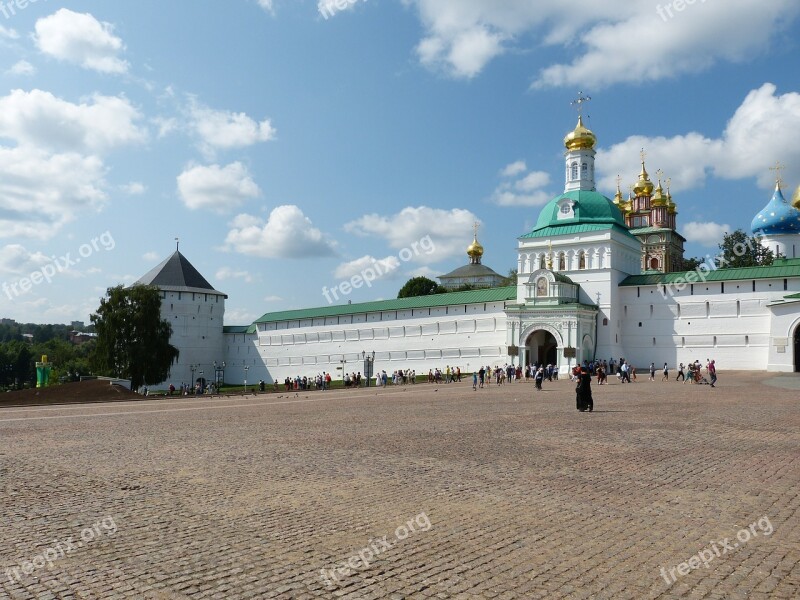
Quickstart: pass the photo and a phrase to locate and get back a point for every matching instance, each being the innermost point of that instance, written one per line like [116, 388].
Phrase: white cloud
[267, 5]
[215, 187]
[753, 140]
[134, 188]
[40, 192]
[8, 33]
[223, 130]
[15, 259]
[22, 67]
[449, 230]
[288, 233]
[38, 118]
[239, 316]
[514, 169]
[705, 234]
[226, 273]
[151, 257]
[616, 41]
[273, 299]
[525, 191]
[80, 39]
[385, 266]
[166, 125]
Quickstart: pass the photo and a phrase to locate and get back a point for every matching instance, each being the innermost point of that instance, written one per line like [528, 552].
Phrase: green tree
[740, 250]
[690, 264]
[132, 338]
[511, 278]
[420, 286]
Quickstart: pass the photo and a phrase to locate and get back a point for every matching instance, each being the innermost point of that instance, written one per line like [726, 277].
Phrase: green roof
[572, 229]
[499, 294]
[781, 267]
[235, 328]
[647, 230]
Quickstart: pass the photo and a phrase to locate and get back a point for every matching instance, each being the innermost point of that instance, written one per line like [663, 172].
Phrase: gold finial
[643, 154]
[581, 100]
[475, 227]
[475, 250]
[660, 175]
[549, 255]
[778, 168]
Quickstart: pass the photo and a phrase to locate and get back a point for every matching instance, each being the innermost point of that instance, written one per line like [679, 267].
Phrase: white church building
[597, 278]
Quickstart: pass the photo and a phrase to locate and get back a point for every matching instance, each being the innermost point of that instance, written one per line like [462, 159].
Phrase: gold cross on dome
[778, 168]
[643, 154]
[660, 174]
[580, 102]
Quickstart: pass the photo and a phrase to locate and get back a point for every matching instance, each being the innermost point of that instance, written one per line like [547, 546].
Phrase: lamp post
[343, 362]
[202, 382]
[193, 368]
[246, 368]
[369, 362]
[219, 374]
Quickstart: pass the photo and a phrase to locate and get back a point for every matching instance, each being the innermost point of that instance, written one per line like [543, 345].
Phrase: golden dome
[643, 187]
[659, 199]
[580, 138]
[796, 198]
[475, 250]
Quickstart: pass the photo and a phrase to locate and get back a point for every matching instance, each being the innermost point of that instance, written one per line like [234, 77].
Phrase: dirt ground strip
[666, 490]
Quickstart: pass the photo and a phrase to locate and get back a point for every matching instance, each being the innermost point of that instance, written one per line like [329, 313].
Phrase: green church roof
[780, 268]
[592, 210]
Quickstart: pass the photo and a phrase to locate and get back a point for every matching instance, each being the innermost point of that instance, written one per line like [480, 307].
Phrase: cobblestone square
[422, 491]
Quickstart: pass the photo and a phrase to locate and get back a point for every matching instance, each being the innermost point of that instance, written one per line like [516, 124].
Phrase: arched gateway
[541, 348]
[797, 349]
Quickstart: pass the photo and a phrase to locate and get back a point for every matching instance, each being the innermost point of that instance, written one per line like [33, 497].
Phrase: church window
[562, 262]
[785, 285]
[584, 169]
[582, 260]
[605, 322]
[654, 264]
[566, 209]
[574, 170]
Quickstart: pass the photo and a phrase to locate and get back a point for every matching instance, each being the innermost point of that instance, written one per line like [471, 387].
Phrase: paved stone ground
[510, 493]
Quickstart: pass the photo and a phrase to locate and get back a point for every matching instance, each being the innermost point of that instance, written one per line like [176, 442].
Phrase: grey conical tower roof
[176, 273]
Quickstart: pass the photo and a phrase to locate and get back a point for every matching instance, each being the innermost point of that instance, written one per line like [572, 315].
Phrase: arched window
[582, 260]
[584, 169]
[574, 171]
[654, 264]
[562, 262]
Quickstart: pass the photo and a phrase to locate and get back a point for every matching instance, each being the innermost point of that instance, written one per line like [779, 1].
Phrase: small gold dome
[796, 198]
[643, 187]
[659, 198]
[475, 250]
[580, 138]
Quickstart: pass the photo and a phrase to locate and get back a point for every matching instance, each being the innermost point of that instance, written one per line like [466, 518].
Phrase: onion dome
[659, 198]
[777, 217]
[475, 251]
[643, 187]
[580, 138]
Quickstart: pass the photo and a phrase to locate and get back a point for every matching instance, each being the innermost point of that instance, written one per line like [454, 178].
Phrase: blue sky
[290, 151]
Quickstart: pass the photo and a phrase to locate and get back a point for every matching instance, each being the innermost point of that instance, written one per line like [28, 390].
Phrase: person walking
[666, 373]
[681, 374]
[583, 391]
[712, 372]
[652, 372]
[475, 380]
[539, 378]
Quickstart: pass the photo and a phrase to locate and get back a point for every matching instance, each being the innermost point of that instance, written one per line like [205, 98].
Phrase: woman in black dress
[583, 391]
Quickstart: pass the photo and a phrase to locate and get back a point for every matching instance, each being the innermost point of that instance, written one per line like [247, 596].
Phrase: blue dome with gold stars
[777, 217]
